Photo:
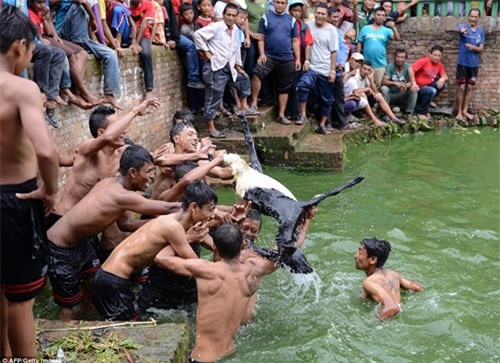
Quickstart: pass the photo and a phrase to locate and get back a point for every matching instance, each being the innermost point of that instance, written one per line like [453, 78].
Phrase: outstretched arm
[410, 285]
[187, 267]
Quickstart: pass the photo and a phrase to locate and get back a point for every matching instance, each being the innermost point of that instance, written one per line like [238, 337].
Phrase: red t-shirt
[144, 12]
[37, 19]
[426, 72]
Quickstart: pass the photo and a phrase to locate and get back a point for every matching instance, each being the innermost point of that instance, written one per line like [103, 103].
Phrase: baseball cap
[295, 2]
[357, 56]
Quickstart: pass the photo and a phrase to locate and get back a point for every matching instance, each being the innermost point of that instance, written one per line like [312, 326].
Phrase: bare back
[223, 296]
[18, 161]
[387, 281]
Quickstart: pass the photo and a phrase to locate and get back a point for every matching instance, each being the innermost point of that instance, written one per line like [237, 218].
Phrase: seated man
[112, 289]
[428, 77]
[71, 24]
[361, 93]
[381, 285]
[225, 288]
[396, 86]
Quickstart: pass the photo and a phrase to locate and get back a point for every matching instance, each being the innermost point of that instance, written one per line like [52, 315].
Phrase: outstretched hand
[240, 210]
[197, 232]
[142, 108]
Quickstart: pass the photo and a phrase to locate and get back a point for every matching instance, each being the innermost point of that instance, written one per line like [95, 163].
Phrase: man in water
[27, 151]
[225, 288]
[382, 285]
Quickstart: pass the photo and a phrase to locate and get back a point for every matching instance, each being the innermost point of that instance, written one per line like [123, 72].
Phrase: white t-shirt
[325, 43]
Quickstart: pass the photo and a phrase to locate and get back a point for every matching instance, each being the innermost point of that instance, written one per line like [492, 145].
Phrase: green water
[435, 196]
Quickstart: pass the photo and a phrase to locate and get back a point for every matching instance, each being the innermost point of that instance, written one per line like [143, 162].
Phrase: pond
[435, 197]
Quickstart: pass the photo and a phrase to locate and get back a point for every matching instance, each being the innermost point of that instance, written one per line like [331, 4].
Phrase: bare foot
[148, 95]
[459, 117]
[112, 101]
[50, 103]
[80, 102]
[377, 122]
[60, 101]
[91, 99]
[468, 116]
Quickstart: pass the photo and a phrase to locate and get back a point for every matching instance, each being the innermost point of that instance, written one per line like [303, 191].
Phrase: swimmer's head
[183, 115]
[134, 156]
[98, 119]
[377, 248]
[228, 241]
[250, 226]
[184, 168]
[199, 194]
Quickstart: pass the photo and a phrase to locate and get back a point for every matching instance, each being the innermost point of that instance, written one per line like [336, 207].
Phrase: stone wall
[419, 34]
[150, 130]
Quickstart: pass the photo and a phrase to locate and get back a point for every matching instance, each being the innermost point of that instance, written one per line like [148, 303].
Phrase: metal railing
[447, 7]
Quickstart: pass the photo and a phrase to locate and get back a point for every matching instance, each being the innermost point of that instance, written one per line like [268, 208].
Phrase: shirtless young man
[71, 256]
[28, 184]
[98, 158]
[224, 291]
[112, 290]
[382, 285]
[184, 138]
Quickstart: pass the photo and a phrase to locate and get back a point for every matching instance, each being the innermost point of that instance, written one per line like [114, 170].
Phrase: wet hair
[475, 9]
[228, 240]
[99, 118]
[332, 10]
[183, 115]
[377, 248]
[15, 26]
[200, 193]
[436, 47]
[185, 7]
[178, 128]
[254, 216]
[184, 168]
[367, 63]
[400, 51]
[230, 6]
[134, 156]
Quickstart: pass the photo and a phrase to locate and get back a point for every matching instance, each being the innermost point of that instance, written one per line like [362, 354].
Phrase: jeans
[48, 64]
[147, 63]
[406, 98]
[66, 76]
[193, 70]
[74, 28]
[310, 80]
[425, 96]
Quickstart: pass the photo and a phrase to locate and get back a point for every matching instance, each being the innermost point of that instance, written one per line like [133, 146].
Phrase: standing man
[321, 68]
[372, 43]
[397, 89]
[26, 151]
[277, 50]
[428, 77]
[470, 44]
[220, 43]
[225, 288]
[365, 14]
[382, 285]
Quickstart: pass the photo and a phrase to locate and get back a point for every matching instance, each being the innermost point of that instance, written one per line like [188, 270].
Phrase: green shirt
[396, 76]
[255, 11]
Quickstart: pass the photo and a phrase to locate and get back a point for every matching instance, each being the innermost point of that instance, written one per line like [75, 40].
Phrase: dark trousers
[147, 63]
[48, 65]
[338, 117]
[425, 96]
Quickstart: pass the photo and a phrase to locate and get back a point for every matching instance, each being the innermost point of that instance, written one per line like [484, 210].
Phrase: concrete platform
[165, 342]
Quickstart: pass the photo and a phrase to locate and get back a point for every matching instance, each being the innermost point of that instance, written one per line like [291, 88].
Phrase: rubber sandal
[217, 135]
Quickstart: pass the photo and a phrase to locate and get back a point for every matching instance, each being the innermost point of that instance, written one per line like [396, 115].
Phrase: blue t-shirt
[466, 57]
[62, 10]
[279, 31]
[375, 44]
[119, 22]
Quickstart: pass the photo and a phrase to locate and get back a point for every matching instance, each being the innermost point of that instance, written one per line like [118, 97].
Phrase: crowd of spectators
[276, 55]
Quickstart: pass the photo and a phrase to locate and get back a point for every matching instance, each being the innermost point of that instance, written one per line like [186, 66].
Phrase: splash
[299, 285]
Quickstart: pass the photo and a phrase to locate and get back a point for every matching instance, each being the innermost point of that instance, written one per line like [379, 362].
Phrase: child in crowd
[186, 14]
[143, 14]
[305, 41]
[349, 38]
[122, 26]
[207, 14]
[158, 30]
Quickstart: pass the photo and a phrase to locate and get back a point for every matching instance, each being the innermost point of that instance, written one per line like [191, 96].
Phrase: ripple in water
[299, 285]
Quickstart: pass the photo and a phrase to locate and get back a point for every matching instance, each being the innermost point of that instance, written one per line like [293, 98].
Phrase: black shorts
[23, 243]
[113, 297]
[51, 219]
[466, 74]
[68, 267]
[285, 73]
